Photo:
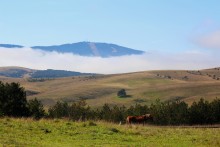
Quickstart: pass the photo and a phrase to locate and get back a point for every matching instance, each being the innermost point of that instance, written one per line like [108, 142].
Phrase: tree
[106, 112]
[122, 93]
[118, 113]
[13, 100]
[2, 94]
[60, 109]
[79, 111]
[36, 108]
[177, 112]
[159, 112]
[200, 112]
[215, 110]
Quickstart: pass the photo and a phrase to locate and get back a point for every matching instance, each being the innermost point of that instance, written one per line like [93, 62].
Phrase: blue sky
[159, 25]
[176, 34]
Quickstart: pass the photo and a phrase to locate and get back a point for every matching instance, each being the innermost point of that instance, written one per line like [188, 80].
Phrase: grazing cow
[139, 119]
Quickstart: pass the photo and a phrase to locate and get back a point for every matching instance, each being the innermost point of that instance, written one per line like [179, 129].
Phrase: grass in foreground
[26, 132]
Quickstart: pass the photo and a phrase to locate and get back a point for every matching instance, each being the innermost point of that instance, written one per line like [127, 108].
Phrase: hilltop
[90, 49]
[33, 74]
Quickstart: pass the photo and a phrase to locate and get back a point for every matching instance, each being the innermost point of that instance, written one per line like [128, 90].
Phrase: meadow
[61, 132]
[142, 87]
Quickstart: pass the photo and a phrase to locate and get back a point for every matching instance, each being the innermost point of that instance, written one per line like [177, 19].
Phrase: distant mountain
[91, 49]
[10, 46]
[86, 49]
[19, 72]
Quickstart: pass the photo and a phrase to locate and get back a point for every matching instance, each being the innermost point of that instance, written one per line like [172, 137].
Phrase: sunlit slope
[141, 87]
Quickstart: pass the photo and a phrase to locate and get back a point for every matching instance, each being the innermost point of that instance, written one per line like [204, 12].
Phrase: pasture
[27, 132]
[142, 87]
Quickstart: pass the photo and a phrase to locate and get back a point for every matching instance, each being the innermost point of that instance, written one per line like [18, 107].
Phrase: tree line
[13, 103]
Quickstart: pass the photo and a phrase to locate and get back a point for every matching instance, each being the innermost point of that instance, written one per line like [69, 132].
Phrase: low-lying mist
[38, 59]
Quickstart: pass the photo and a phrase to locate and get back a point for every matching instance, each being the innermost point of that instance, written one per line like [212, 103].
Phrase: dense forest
[39, 74]
[13, 103]
[50, 73]
[15, 73]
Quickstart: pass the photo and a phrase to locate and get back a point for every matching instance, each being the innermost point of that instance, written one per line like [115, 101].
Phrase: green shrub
[36, 109]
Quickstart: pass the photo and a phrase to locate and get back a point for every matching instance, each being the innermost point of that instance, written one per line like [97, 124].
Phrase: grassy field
[143, 87]
[26, 132]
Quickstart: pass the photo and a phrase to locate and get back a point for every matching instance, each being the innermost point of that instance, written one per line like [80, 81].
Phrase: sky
[168, 29]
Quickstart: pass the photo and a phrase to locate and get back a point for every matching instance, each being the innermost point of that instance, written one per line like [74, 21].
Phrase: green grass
[146, 81]
[26, 132]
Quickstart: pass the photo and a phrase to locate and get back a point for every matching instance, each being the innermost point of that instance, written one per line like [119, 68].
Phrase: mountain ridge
[21, 72]
[11, 46]
[91, 49]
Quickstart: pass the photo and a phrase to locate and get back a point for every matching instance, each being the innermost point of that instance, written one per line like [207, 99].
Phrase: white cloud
[207, 34]
[209, 40]
[38, 59]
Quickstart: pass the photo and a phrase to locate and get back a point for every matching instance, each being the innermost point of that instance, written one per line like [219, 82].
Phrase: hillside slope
[20, 72]
[142, 87]
[15, 72]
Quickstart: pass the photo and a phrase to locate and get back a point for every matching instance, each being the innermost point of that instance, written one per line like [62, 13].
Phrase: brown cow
[139, 119]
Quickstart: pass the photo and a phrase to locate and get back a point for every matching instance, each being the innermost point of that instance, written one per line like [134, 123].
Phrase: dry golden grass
[143, 87]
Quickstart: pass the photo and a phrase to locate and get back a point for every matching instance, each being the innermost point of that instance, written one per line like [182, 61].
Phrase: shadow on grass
[127, 96]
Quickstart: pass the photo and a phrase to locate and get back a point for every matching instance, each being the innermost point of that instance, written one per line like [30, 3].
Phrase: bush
[92, 123]
[200, 112]
[1, 114]
[75, 111]
[60, 109]
[114, 130]
[36, 108]
[215, 110]
[121, 93]
[169, 113]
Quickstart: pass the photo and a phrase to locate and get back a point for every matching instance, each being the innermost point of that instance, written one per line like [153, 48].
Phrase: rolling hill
[142, 87]
[20, 72]
[15, 72]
